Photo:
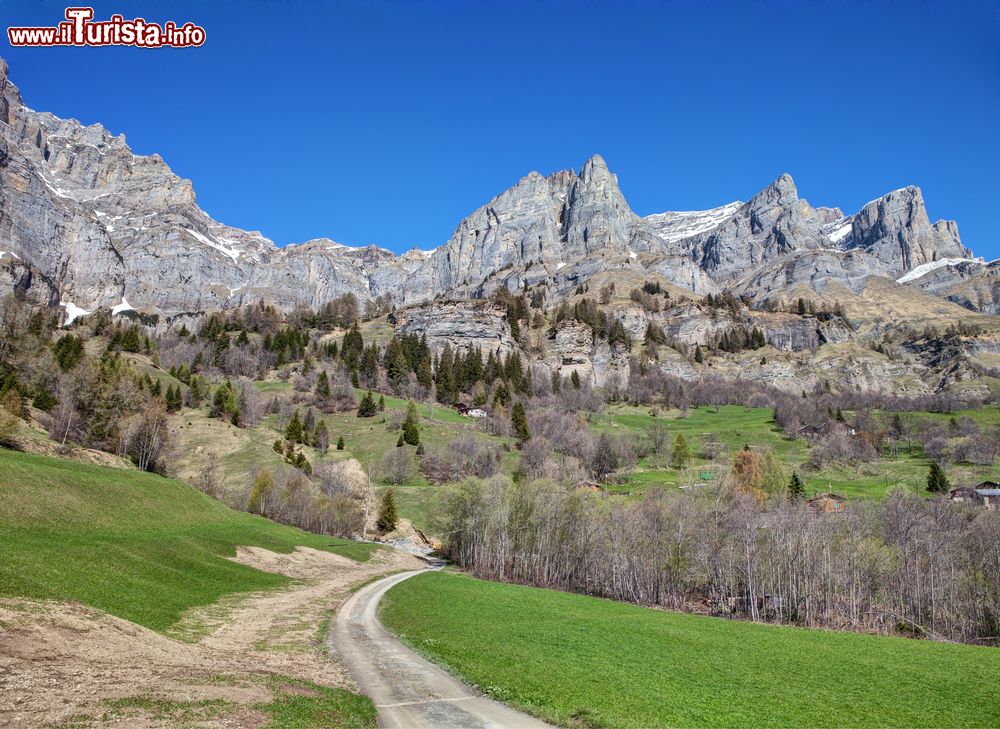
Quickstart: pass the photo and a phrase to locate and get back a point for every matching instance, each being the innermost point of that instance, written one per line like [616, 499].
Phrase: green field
[581, 661]
[736, 426]
[135, 545]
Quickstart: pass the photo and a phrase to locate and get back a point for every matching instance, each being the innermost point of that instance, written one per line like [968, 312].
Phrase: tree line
[905, 566]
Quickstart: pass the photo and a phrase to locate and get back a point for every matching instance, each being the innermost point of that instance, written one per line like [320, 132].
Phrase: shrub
[397, 466]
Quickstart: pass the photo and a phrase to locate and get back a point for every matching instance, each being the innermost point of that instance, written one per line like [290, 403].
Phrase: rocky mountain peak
[595, 171]
[782, 192]
[896, 230]
[598, 216]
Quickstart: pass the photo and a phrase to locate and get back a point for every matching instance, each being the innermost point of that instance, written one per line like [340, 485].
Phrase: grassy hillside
[736, 426]
[133, 544]
[577, 660]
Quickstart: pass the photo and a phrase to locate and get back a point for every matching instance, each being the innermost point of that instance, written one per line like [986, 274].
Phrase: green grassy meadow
[581, 661]
[138, 546]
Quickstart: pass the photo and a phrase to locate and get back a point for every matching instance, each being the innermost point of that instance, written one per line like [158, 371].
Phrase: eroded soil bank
[64, 664]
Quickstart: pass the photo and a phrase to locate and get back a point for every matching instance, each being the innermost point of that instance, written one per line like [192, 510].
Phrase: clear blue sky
[387, 122]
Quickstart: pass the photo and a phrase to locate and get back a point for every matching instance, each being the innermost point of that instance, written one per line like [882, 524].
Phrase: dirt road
[66, 664]
[408, 690]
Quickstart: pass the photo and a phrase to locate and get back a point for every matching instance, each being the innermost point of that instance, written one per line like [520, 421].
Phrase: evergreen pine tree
[218, 403]
[411, 426]
[173, 399]
[396, 366]
[352, 347]
[370, 366]
[323, 384]
[340, 443]
[367, 408]
[387, 516]
[574, 379]
[446, 378]
[681, 454]
[501, 396]
[400, 442]
[937, 481]
[519, 420]
[796, 489]
[293, 431]
[424, 375]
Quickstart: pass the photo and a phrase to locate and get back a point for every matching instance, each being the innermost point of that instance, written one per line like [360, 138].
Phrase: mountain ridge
[99, 226]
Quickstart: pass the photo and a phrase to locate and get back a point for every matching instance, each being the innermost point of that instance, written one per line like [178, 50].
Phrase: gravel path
[408, 690]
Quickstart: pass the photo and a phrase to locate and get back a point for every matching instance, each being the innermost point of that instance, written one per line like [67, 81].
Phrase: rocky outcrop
[572, 348]
[817, 269]
[692, 324]
[463, 325]
[33, 286]
[971, 283]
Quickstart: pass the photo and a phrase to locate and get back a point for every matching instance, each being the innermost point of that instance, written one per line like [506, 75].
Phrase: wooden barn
[828, 503]
[964, 494]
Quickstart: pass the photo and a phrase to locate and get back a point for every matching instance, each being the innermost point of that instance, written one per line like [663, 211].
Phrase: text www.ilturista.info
[79, 29]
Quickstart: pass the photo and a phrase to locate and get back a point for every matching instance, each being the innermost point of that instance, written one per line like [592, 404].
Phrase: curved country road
[409, 691]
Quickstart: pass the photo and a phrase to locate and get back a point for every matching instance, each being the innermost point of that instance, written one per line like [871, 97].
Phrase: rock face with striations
[94, 225]
[463, 325]
[773, 224]
[895, 230]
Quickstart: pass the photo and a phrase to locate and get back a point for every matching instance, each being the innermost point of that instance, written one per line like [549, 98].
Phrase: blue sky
[387, 122]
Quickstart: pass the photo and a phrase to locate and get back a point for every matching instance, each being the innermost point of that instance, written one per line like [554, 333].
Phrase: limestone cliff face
[462, 325]
[774, 223]
[100, 226]
[572, 348]
[896, 231]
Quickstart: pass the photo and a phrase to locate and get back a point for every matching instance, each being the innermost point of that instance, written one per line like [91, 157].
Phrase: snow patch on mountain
[839, 230]
[211, 243]
[73, 312]
[677, 225]
[923, 269]
[123, 306]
